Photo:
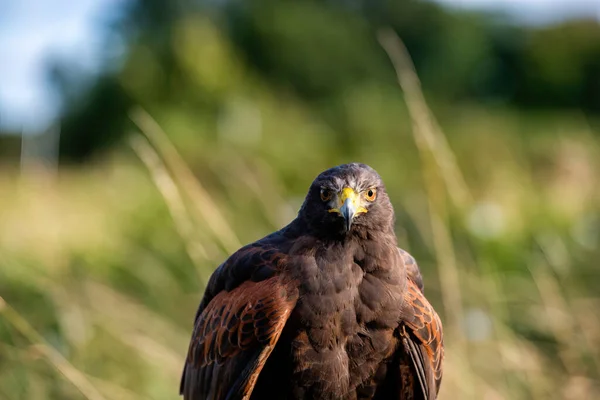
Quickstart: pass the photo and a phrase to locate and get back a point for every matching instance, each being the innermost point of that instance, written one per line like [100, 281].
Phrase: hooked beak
[349, 206]
[348, 210]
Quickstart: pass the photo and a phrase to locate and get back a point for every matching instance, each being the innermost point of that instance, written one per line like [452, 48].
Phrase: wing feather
[422, 339]
[412, 268]
[236, 329]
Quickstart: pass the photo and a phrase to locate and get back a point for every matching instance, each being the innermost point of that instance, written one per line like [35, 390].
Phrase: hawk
[328, 307]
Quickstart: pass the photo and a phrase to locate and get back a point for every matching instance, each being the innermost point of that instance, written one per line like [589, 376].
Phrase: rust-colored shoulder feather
[240, 319]
[422, 339]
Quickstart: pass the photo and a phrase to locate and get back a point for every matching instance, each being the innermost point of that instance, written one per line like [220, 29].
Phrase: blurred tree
[561, 66]
[320, 50]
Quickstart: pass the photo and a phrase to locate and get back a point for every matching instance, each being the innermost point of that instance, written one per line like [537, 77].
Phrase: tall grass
[101, 270]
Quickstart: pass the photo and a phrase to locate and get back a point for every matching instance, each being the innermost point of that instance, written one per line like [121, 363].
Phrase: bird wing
[423, 344]
[412, 268]
[244, 309]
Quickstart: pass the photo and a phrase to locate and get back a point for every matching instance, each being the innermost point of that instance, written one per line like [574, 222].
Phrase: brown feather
[423, 338]
[236, 329]
[321, 309]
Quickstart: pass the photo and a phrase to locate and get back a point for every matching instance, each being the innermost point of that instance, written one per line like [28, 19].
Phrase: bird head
[348, 198]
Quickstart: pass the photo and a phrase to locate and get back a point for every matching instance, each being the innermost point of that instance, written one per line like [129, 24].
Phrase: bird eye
[371, 194]
[325, 194]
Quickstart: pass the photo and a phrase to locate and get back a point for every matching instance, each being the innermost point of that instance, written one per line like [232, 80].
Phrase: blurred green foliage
[102, 265]
[317, 51]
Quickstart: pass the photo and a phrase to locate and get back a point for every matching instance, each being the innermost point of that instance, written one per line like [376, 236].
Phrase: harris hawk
[328, 307]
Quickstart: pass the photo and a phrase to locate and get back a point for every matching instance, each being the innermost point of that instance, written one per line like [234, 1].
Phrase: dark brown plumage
[326, 308]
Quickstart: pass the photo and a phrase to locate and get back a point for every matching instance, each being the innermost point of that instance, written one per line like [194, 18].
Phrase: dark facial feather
[360, 177]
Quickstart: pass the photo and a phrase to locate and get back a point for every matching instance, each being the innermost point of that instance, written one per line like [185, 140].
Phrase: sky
[33, 31]
[533, 11]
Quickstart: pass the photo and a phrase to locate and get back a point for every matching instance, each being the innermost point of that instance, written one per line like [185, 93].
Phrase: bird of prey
[326, 308]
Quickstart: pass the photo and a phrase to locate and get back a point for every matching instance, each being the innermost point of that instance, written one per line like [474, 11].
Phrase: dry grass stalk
[437, 159]
[203, 202]
[432, 147]
[131, 317]
[428, 135]
[72, 374]
[570, 325]
[172, 197]
[115, 391]
[558, 316]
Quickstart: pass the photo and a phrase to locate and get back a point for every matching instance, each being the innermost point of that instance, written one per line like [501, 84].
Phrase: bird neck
[382, 234]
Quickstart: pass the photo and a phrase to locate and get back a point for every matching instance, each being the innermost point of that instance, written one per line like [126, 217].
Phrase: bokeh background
[143, 141]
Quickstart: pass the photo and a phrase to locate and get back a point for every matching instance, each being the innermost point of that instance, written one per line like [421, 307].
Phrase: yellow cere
[349, 193]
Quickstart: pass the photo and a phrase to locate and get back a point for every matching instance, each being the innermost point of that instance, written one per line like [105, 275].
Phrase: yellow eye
[371, 194]
[325, 194]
